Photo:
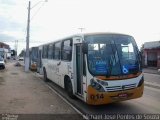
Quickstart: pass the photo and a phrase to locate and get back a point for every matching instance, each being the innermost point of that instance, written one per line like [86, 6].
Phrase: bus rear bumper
[97, 98]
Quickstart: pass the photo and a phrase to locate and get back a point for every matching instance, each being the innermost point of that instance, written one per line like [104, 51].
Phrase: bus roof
[104, 33]
[82, 35]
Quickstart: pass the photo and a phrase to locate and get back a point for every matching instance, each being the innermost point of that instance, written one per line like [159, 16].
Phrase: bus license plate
[123, 95]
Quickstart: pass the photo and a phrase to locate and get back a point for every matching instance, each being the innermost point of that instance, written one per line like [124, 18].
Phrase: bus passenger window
[50, 51]
[67, 50]
[53, 49]
[57, 50]
[45, 51]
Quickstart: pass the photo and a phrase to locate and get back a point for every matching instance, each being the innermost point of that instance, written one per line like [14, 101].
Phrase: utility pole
[27, 40]
[16, 46]
[81, 29]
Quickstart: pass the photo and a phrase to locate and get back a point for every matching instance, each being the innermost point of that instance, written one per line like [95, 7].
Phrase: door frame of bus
[79, 72]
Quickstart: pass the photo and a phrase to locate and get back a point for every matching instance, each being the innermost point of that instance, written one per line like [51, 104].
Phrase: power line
[37, 11]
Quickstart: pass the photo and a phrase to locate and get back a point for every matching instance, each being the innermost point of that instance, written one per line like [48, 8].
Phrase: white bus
[98, 68]
[33, 55]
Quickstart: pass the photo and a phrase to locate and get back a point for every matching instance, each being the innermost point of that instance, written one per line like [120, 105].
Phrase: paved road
[149, 103]
[154, 78]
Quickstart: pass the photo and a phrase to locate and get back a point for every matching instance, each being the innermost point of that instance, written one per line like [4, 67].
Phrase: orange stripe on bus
[119, 77]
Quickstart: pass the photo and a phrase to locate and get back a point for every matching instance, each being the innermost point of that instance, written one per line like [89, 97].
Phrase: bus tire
[45, 75]
[70, 89]
[3, 67]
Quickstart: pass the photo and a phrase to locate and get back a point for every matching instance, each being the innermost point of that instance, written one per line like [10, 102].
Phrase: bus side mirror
[84, 48]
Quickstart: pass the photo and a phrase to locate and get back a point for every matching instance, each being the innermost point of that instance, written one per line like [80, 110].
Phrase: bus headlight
[96, 85]
[93, 84]
[104, 83]
[141, 81]
[99, 88]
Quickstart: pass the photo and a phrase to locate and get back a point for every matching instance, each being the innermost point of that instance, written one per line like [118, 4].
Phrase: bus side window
[45, 51]
[53, 49]
[57, 51]
[67, 50]
[50, 51]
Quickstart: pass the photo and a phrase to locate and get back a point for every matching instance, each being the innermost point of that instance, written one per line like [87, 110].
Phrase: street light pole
[27, 40]
[16, 47]
[27, 37]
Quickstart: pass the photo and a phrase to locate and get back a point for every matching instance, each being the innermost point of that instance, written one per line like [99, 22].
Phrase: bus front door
[79, 69]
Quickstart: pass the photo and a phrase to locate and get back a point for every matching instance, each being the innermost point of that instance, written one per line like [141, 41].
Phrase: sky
[56, 19]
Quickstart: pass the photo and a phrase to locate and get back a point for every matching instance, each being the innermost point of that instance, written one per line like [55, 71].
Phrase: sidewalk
[23, 93]
[151, 70]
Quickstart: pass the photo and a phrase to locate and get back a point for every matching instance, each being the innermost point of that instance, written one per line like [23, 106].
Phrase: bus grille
[120, 88]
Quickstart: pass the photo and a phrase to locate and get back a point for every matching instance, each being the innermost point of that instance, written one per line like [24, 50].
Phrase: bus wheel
[3, 67]
[70, 89]
[45, 75]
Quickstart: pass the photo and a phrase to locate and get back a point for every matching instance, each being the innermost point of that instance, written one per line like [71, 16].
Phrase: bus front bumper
[97, 98]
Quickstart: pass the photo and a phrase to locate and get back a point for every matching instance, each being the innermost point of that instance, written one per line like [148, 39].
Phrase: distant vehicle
[20, 59]
[33, 58]
[2, 63]
[98, 68]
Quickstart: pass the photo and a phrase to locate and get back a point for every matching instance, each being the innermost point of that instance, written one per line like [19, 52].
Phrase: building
[5, 50]
[151, 54]
[3, 45]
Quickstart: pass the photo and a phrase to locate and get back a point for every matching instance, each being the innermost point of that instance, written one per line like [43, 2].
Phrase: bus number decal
[97, 96]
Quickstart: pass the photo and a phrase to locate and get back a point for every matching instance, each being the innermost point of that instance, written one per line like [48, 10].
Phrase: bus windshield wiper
[110, 68]
[112, 58]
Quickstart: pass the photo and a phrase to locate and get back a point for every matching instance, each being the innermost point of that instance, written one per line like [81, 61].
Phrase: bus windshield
[112, 55]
